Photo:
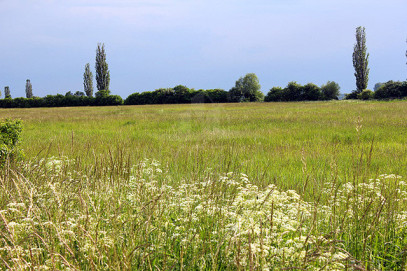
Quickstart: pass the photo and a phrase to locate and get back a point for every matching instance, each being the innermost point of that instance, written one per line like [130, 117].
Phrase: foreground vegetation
[249, 186]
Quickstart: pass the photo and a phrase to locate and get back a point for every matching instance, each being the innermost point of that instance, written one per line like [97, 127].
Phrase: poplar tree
[361, 60]
[28, 89]
[88, 81]
[7, 92]
[102, 69]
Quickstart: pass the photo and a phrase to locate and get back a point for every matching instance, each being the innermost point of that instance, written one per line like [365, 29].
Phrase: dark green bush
[311, 92]
[59, 100]
[177, 95]
[216, 96]
[182, 94]
[274, 95]
[292, 92]
[366, 94]
[109, 100]
[296, 92]
[391, 90]
[132, 99]
[352, 96]
[209, 96]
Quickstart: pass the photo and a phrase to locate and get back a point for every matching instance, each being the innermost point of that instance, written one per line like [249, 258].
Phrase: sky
[202, 44]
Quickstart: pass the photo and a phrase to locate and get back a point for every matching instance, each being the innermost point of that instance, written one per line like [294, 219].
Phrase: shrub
[216, 96]
[209, 96]
[109, 100]
[10, 131]
[351, 96]
[59, 100]
[391, 90]
[366, 94]
[132, 99]
[178, 95]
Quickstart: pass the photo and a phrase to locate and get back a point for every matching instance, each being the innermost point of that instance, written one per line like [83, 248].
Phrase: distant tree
[292, 92]
[274, 95]
[257, 97]
[7, 92]
[361, 60]
[88, 81]
[235, 94]
[216, 96]
[247, 88]
[164, 96]
[0, 93]
[79, 94]
[102, 69]
[102, 93]
[330, 91]
[182, 94]
[377, 86]
[28, 89]
[311, 92]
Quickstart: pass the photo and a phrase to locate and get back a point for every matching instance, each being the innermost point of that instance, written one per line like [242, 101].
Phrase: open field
[267, 141]
[184, 208]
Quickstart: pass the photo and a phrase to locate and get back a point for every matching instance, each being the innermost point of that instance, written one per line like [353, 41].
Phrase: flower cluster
[362, 199]
[262, 228]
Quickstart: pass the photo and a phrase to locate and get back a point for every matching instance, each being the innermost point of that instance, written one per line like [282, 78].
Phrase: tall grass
[60, 214]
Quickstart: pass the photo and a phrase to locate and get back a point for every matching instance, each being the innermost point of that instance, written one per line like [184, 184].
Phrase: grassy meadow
[256, 186]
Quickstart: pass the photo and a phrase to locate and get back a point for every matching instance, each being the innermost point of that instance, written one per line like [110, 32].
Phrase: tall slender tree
[7, 92]
[28, 89]
[361, 60]
[102, 69]
[88, 81]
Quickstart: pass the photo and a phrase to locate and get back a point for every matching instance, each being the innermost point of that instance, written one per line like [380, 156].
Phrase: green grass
[267, 141]
[325, 151]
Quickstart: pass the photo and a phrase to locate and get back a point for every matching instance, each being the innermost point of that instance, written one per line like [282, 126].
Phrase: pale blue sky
[198, 43]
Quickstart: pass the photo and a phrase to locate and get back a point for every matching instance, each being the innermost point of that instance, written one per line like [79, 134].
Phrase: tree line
[246, 89]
